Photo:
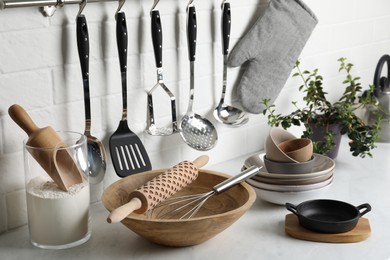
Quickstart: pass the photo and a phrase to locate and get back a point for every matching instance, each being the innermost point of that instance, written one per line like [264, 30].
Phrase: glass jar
[58, 218]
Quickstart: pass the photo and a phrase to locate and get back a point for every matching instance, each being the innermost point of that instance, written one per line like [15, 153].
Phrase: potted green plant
[333, 118]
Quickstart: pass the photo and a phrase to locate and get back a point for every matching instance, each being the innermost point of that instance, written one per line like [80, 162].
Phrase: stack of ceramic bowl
[290, 171]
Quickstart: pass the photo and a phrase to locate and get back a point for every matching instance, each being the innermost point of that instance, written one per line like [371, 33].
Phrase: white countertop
[259, 234]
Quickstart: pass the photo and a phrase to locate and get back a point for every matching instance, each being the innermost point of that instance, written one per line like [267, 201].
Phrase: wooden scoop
[159, 188]
[58, 163]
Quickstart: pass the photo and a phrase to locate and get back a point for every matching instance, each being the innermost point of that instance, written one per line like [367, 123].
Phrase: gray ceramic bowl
[289, 167]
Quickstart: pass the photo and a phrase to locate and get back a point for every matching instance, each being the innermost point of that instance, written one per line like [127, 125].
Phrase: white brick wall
[39, 69]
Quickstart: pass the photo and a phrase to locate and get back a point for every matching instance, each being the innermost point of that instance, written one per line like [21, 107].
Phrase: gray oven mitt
[270, 50]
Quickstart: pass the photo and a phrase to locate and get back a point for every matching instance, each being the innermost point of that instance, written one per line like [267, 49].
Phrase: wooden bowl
[272, 150]
[300, 149]
[218, 213]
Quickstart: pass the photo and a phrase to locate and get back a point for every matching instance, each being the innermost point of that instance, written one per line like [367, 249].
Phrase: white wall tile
[380, 28]
[23, 49]
[3, 214]
[333, 12]
[12, 172]
[375, 9]
[16, 208]
[353, 34]
[1, 137]
[35, 85]
[256, 133]
[15, 135]
[31, 18]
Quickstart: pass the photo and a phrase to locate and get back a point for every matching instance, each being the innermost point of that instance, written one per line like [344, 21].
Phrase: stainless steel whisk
[188, 206]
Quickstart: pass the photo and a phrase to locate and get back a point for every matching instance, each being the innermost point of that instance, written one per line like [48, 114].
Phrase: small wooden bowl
[218, 213]
[272, 149]
[300, 149]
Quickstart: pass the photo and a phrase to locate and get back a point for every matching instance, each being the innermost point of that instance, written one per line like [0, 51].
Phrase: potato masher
[152, 129]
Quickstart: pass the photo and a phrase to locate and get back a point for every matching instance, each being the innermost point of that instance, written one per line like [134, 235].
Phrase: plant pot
[319, 133]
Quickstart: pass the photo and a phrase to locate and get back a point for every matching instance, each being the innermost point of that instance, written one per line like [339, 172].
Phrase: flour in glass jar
[57, 217]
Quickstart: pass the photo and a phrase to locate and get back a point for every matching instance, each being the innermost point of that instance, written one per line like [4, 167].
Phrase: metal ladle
[199, 133]
[224, 113]
[96, 151]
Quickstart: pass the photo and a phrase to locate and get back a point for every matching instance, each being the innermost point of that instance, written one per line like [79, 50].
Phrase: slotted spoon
[199, 133]
[128, 154]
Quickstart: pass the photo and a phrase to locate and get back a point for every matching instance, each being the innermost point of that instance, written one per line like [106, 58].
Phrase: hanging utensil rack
[48, 6]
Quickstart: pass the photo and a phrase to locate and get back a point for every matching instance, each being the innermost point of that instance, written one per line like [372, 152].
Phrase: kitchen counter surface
[259, 234]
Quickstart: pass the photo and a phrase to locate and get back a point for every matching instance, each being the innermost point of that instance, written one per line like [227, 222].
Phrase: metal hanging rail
[41, 3]
[48, 5]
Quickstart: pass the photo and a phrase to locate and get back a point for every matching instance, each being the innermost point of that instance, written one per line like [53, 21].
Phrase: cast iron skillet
[328, 216]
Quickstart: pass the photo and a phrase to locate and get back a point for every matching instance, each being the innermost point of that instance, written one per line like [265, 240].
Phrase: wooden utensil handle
[201, 161]
[123, 211]
[20, 116]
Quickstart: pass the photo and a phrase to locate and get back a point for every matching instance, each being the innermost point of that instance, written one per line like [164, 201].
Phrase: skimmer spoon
[199, 133]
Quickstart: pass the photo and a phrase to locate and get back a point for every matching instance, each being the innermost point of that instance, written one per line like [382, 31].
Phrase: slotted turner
[128, 154]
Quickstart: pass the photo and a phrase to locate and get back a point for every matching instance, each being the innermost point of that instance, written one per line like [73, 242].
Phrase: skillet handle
[365, 206]
[292, 208]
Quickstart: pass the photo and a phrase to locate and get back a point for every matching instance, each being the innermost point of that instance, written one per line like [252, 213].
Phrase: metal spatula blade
[128, 154]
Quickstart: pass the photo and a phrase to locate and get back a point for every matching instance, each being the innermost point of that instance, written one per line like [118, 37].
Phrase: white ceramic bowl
[281, 198]
[288, 181]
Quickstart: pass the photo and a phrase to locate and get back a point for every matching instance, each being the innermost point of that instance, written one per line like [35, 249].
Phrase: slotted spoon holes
[129, 157]
[198, 133]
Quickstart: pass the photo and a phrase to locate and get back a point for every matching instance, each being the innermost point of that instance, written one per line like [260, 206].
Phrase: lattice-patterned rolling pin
[159, 188]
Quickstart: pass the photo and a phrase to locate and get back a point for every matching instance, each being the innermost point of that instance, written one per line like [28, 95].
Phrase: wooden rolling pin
[58, 164]
[159, 188]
